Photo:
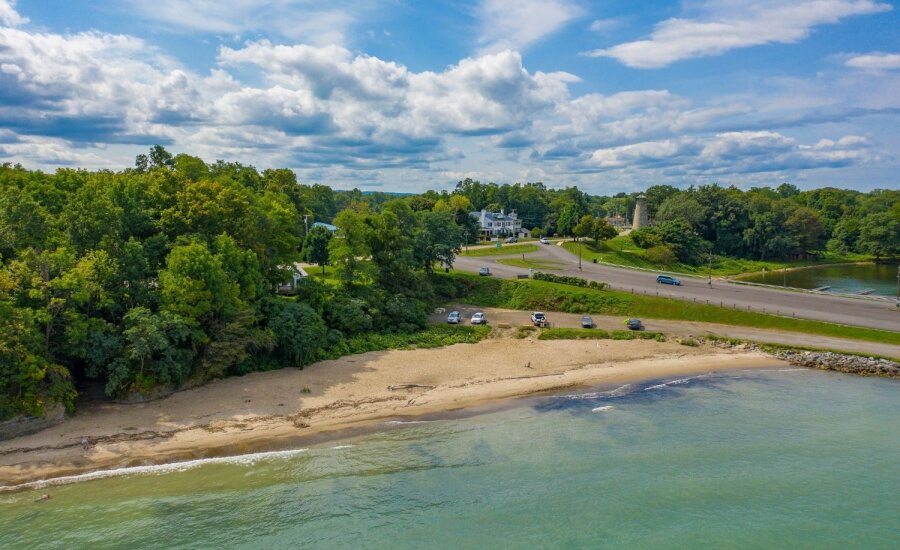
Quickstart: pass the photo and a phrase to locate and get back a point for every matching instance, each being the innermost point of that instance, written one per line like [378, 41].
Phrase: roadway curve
[833, 309]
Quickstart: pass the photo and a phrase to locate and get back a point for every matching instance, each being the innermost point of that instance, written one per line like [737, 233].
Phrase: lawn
[532, 295]
[504, 250]
[622, 251]
[533, 263]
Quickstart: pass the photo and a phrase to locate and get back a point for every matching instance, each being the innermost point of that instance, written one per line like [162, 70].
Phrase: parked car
[454, 318]
[479, 319]
[668, 280]
[511, 240]
[587, 322]
[484, 271]
[544, 240]
[635, 324]
[538, 318]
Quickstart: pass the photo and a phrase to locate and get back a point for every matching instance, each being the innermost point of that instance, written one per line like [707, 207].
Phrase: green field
[540, 295]
[505, 250]
[622, 251]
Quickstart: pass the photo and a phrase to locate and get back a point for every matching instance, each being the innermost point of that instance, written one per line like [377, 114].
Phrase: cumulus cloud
[727, 24]
[515, 24]
[9, 17]
[734, 152]
[875, 61]
[320, 23]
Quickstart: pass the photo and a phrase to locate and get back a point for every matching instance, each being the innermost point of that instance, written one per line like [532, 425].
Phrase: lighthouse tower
[640, 218]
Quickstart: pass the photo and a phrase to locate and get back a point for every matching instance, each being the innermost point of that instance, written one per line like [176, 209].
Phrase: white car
[479, 319]
[454, 318]
[544, 240]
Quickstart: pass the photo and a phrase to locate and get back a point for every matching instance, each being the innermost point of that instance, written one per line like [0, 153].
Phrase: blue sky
[404, 96]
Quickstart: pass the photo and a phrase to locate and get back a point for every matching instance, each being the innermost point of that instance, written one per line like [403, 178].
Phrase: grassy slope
[622, 251]
[540, 295]
[505, 250]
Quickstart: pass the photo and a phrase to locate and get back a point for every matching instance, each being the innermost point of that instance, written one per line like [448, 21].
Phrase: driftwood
[393, 387]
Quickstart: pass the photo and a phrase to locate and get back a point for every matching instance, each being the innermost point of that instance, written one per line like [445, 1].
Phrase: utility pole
[784, 276]
[579, 253]
[898, 286]
[467, 240]
[709, 275]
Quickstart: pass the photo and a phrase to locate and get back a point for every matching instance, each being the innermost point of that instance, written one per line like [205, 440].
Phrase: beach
[278, 409]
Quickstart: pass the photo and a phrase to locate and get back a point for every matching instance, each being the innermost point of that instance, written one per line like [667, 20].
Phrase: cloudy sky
[405, 95]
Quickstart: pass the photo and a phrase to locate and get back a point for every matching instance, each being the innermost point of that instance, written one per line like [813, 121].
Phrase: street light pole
[898, 286]
[579, 253]
[709, 275]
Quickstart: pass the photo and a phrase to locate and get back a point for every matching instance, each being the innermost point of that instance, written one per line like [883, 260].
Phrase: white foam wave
[621, 390]
[675, 382]
[339, 447]
[401, 422]
[601, 409]
[244, 460]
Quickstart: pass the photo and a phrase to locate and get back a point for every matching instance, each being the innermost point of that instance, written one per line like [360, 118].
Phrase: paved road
[835, 309]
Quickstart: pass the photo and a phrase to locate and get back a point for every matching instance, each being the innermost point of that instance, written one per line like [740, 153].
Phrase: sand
[279, 409]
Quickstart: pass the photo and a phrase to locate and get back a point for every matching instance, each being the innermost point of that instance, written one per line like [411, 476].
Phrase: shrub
[568, 280]
[689, 342]
[661, 255]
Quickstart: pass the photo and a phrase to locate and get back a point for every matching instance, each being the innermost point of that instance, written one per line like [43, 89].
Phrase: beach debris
[86, 443]
[43, 497]
[393, 387]
[528, 366]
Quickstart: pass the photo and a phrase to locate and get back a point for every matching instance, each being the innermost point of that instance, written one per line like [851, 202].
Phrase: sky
[402, 95]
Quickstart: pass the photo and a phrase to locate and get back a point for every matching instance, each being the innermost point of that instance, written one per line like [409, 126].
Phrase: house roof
[327, 226]
[494, 216]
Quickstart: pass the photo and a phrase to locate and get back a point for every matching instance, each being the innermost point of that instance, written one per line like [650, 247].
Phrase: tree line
[164, 274]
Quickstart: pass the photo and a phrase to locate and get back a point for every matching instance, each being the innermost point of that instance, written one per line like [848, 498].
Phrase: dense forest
[165, 274]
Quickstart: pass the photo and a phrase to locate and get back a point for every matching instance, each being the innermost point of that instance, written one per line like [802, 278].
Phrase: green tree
[299, 332]
[602, 231]
[879, 235]
[315, 246]
[350, 247]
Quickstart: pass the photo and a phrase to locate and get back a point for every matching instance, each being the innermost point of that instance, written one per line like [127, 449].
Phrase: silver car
[479, 319]
[454, 318]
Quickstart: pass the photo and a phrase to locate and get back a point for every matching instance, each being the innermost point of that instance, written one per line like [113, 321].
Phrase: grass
[315, 271]
[622, 251]
[540, 295]
[504, 250]
[435, 336]
[532, 263]
[595, 334]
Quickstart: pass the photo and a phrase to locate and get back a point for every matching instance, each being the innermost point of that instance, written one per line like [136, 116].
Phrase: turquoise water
[763, 459]
[881, 278]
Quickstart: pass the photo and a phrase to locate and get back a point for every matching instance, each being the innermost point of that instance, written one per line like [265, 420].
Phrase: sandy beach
[281, 408]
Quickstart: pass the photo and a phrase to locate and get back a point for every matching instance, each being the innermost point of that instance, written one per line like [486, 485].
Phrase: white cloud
[733, 152]
[875, 61]
[307, 21]
[515, 24]
[9, 17]
[604, 25]
[727, 25]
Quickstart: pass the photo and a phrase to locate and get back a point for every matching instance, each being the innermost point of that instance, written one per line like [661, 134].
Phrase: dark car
[668, 280]
[587, 322]
[484, 271]
[635, 324]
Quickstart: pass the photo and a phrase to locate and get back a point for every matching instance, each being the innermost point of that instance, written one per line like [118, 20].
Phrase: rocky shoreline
[822, 360]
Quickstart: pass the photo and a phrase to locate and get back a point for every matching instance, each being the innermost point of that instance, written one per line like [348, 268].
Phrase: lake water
[841, 278]
[754, 459]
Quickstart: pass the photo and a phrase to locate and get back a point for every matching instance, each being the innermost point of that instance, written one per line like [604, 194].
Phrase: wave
[245, 460]
[601, 409]
[402, 422]
[339, 447]
[618, 392]
[676, 382]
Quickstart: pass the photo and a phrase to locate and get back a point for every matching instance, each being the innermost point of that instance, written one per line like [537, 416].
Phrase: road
[881, 314]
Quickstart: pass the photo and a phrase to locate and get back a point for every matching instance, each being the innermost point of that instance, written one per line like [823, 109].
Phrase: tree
[683, 240]
[437, 240]
[681, 206]
[568, 219]
[879, 235]
[584, 227]
[315, 246]
[160, 158]
[350, 246]
[602, 231]
[299, 332]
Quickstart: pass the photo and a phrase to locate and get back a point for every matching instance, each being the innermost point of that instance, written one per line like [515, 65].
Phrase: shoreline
[330, 400]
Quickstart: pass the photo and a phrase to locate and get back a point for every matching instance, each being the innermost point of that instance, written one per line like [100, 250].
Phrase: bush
[299, 332]
[568, 280]
[660, 255]
[689, 342]
[645, 237]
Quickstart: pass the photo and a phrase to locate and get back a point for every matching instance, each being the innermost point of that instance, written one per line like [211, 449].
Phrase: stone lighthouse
[640, 218]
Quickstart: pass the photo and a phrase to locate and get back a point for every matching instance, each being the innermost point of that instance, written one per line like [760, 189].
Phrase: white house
[499, 224]
[297, 274]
